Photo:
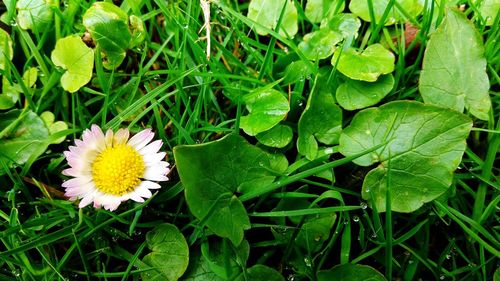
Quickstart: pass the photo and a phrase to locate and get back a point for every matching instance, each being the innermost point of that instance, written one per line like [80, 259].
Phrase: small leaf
[366, 66]
[73, 55]
[425, 145]
[411, 7]
[35, 14]
[319, 44]
[211, 188]
[345, 24]
[169, 255]
[138, 30]
[54, 127]
[266, 109]
[350, 272]
[109, 27]
[355, 94]
[454, 68]
[314, 232]
[260, 272]
[316, 10]
[6, 51]
[278, 136]
[267, 13]
[30, 77]
[297, 71]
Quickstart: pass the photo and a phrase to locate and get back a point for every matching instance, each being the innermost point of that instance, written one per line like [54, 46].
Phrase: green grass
[168, 84]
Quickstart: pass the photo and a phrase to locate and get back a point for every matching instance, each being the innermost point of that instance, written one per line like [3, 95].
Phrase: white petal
[121, 137]
[109, 138]
[155, 174]
[77, 182]
[112, 205]
[151, 148]
[143, 191]
[150, 185]
[141, 139]
[86, 200]
[154, 157]
[136, 197]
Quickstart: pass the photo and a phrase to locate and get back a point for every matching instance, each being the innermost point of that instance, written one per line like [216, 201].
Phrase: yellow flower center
[118, 170]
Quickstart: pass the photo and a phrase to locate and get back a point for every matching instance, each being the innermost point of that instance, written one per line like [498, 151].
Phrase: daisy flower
[110, 168]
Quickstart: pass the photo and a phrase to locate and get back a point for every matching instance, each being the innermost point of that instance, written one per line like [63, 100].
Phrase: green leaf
[214, 173]
[169, 253]
[488, 10]
[6, 51]
[411, 7]
[24, 139]
[30, 77]
[315, 231]
[260, 272]
[319, 44]
[54, 127]
[109, 27]
[278, 136]
[496, 277]
[321, 121]
[77, 59]
[138, 30]
[366, 66]
[351, 272]
[266, 109]
[297, 71]
[425, 146]
[35, 14]
[454, 68]
[316, 10]
[267, 13]
[199, 269]
[345, 24]
[355, 94]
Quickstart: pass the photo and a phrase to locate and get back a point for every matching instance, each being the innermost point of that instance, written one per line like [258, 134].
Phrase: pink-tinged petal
[140, 139]
[154, 157]
[150, 185]
[86, 201]
[72, 172]
[100, 142]
[76, 182]
[87, 137]
[136, 197]
[151, 148]
[111, 206]
[109, 138]
[79, 143]
[121, 137]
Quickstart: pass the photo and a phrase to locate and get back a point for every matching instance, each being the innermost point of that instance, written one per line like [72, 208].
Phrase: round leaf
[6, 51]
[267, 108]
[355, 94]
[169, 253]
[279, 136]
[350, 272]
[78, 60]
[424, 146]
[267, 13]
[366, 66]
[316, 10]
[454, 68]
[411, 7]
[319, 44]
[35, 14]
[345, 24]
[260, 272]
[54, 127]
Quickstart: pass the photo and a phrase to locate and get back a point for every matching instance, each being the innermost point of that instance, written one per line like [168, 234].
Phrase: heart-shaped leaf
[317, 10]
[109, 27]
[267, 13]
[169, 255]
[355, 94]
[77, 59]
[35, 14]
[266, 109]
[454, 67]
[410, 7]
[53, 126]
[278, 136]
[214, 173]
[350, 272]
[319, 44]
[425, 144]
[345, 24]
[366, 66]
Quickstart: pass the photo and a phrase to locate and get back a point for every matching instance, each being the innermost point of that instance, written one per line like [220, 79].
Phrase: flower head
[110, 168]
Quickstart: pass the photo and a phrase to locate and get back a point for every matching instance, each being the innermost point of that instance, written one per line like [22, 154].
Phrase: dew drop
[355, 219]
[307, 261]
[291, 277]
[364, 205]
[448, 256]
[441, 277]
[411, 261]
[13, 23]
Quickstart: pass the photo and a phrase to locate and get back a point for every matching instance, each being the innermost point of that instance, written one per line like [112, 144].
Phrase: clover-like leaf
[169, 255]
[109, 27]
[425, 144]
[260, 272]
[454, 67]
[267, 13]
[350, 272]
[211, 189]
[6, 51]
[367, 65]
[345, 24]
[321, 121]
[278, 136]
[355, 94]
[35, 14]
[320, 44]
[266, 109]
[410, 7]
[317, 10]
[77, 59]
[53, 126]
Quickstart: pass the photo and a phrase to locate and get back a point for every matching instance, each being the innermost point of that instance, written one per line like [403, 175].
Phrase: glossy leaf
[278, 136]
[109, 27]
[169, 255]
[345, 24]
[267, 13]
[199, 269]
[425, 144]
[266, 109]
[350, 272]
[454, 68]
[355, 94]
[6, 51]
[368, 65]
[260, 272]
[315, 231]
[317, 10]
[319, 44]
[35, 14]
[321, 121]
[411, 7]
[211, 189]
[77, 59]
